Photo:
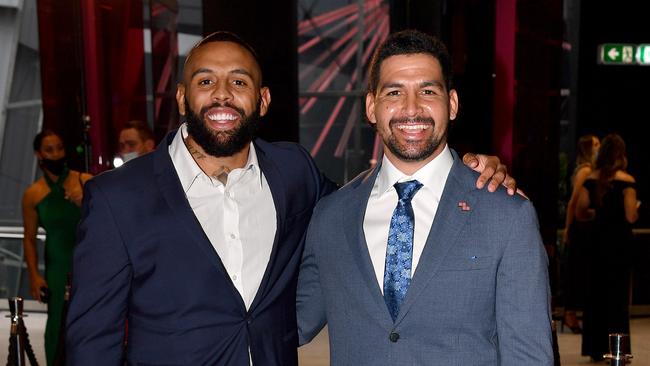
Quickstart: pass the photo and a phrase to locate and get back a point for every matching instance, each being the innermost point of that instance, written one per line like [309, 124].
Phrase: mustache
[239, 110]
[418, 120]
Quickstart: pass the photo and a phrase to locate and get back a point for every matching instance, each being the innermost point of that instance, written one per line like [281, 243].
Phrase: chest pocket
[466, 262]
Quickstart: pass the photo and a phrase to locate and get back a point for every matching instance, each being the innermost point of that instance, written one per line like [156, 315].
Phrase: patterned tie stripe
[399, 251]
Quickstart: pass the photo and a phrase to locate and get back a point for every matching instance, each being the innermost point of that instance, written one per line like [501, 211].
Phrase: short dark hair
[225, 36]
[38, 139]
[141, 127]
[409, 42]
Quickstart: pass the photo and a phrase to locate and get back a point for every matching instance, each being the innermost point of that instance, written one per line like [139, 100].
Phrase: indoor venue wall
[93, 74]
[614, 99]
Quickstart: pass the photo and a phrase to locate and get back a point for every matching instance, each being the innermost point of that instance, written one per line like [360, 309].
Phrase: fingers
[487, 173]
[494, 182]
[36, 294]
[470, 160]
[511, 184]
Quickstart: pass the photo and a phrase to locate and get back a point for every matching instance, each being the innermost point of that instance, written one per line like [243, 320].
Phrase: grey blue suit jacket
[479, 295]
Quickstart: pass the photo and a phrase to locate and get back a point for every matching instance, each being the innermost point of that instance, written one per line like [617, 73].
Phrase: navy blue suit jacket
[142, 256]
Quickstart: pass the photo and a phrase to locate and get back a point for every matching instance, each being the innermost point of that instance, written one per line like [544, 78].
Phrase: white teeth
[222, 117]
[413, 127]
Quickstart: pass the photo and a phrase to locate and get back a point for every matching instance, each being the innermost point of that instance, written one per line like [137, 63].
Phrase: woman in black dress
[576, 235]
[609, 197]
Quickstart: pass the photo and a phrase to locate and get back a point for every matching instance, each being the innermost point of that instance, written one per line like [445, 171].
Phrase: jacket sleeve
[310, 304]
[101, 277]
[523, 295]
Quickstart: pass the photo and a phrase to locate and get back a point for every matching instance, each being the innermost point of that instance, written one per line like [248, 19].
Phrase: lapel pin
[463, 206]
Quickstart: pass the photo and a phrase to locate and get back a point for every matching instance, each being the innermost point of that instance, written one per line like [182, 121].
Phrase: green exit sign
[643, 54]
[616, 54]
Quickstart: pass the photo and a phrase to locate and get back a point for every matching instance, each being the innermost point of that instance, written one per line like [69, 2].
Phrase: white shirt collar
[433, 175]
[187, 168]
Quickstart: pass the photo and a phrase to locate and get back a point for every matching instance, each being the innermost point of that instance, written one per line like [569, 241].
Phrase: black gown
[575, 276]
[609, 266]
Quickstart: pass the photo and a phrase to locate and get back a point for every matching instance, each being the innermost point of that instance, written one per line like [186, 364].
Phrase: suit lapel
[447, 224]
[172, 191]
[353, 229]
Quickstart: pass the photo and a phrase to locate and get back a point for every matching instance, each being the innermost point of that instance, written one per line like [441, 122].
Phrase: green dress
[59, 217]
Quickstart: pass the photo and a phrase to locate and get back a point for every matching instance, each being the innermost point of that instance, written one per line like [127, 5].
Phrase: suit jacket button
[393, 337]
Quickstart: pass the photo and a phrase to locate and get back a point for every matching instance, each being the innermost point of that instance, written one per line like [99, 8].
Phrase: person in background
[52, 202]
[136, 139]
[608, 197]
[576, 234]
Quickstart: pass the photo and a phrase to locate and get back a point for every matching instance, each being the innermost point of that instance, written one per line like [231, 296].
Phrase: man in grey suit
[410, 263]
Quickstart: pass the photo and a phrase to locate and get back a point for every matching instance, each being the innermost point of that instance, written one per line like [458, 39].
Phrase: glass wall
[21, 104]
[335, 42]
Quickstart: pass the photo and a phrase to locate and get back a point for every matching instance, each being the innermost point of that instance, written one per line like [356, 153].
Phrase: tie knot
[406, 190]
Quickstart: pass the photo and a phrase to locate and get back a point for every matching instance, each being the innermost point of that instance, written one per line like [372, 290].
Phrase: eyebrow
[437, 84]
[202, 70]
[424, 84]
[205, 70]
[242, 72]
[391, 85]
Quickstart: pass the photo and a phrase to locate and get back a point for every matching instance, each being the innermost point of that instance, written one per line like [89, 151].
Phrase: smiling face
[411, 109]
[222, 97]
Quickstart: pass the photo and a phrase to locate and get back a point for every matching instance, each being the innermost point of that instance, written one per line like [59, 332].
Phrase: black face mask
[55, 167]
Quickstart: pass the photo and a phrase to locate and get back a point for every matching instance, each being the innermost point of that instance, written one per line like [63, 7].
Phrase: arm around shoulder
[310, 303]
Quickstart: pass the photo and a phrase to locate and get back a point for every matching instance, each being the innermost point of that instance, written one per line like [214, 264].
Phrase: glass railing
[14, 279]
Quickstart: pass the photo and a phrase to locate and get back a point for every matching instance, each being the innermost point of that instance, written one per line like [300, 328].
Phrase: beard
[414, 150]
[222, 143]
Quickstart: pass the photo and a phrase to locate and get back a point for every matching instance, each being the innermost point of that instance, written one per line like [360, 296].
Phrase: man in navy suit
[410, 263]
[198, 243]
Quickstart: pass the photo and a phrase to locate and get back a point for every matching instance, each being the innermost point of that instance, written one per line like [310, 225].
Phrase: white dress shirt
[239, 218]
[383, 200]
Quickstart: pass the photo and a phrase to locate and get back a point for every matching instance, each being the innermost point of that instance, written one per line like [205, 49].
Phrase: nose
[221, 91]
[412, 105]
[58, 154]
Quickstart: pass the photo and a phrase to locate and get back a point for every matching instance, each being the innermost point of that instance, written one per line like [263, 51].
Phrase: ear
[370, 108]
[265, 100]
[453, 104]
[180, 98]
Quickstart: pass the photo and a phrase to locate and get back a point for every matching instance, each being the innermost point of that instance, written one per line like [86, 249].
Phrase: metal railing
[12, 257]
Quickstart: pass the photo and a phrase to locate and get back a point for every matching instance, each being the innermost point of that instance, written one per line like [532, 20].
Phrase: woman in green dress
[52, 202]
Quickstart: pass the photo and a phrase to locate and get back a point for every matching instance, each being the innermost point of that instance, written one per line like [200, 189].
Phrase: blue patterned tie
[399, 252]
